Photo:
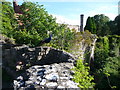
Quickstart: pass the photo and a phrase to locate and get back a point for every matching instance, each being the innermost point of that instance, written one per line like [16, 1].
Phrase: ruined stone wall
[12, 54]
[49, 67]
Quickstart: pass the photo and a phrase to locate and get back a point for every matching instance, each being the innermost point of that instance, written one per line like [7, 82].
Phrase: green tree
[35, 25]
[112, 27]
[117, 24]
[93, 26]
[102, 27]
[90, 25]
[106, 64]
[62, 39]
[36, 22]
[8, 19]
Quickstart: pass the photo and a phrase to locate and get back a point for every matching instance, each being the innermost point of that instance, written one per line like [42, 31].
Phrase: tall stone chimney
[81, 23]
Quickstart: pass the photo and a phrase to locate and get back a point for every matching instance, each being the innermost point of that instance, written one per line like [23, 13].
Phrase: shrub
[82, 75]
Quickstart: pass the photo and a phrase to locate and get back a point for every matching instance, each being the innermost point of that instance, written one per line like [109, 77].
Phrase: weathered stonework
[48, 67]
[39, 55]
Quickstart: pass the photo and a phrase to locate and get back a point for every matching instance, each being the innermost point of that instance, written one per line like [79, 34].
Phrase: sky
[69, 11]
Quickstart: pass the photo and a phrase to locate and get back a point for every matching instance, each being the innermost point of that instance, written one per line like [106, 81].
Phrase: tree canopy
[36, 22]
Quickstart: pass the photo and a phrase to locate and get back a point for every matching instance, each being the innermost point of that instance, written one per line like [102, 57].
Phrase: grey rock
[37, 82]
[71, 84]
[43, 82]
[64, 78]
[52, 77]
[60, 87]
[40, 73]
[39, 78]
[28, 82]
[20, 78]
[51, 84]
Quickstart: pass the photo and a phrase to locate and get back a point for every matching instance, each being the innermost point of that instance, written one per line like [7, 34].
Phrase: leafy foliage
[8, 19]
[107, 62]
[98, 25]
[90, 25]
[102, 25]
[33, 26]
[82, 76]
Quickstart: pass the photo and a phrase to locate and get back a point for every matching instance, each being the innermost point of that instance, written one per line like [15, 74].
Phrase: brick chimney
[17, 7]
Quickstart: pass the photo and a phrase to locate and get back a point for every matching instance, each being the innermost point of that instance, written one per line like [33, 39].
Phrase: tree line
[102, 25]
[107, 55]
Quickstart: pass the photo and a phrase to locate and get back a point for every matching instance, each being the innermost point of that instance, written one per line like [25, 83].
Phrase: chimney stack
[81, 23]
[16, 7]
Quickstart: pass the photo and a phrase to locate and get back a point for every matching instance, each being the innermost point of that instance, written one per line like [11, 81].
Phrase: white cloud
[107, 10]
[65, 20]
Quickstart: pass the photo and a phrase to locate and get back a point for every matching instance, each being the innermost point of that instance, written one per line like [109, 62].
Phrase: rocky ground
[55, 76]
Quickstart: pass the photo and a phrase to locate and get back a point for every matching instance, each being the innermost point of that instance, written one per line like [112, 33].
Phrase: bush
[82, 75]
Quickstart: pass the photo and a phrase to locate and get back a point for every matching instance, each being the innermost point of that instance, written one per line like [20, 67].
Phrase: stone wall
[11, 54]
[53, 66]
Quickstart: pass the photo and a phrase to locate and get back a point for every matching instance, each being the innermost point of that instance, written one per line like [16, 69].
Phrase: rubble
[47, 76]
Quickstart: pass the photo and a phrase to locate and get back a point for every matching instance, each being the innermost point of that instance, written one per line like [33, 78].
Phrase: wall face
[38, 55]
[53, 66]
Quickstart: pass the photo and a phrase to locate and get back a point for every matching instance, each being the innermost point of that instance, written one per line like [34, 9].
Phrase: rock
[64, 78]
[31, 78]
[51, 84]
[43, 82]
[30, 86]
[28, 82]
[60, 87]
[18, 84]
[15, 82]
[39, 78]
[37, 82]
[70, 77]
[40, 73]
[20, 78]
[52, 77]
[71, 84]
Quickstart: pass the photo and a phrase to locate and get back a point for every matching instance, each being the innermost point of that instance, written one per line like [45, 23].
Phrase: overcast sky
[68, 11]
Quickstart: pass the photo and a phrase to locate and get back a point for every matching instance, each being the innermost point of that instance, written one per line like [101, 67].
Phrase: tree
[112, 27]
[8, 19]
[36, 22]
[90, 25]
[117, 24]
[102, 27]
[35, 25]
[93, 26]
[106, 64]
